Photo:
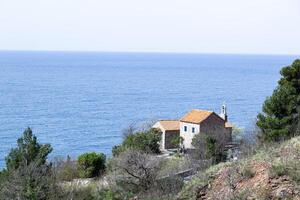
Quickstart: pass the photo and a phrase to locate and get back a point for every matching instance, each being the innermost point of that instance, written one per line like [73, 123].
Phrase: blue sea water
[81, 102]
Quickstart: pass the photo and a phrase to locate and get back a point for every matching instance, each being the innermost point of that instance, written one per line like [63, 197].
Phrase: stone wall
[214, 125]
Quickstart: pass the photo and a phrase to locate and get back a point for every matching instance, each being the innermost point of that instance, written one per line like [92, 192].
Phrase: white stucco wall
[162, 142]
[188, 135]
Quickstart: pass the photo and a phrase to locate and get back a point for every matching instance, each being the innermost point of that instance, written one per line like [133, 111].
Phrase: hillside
[271, 173]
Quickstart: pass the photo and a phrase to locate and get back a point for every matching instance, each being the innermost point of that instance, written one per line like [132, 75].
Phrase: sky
[188, 26]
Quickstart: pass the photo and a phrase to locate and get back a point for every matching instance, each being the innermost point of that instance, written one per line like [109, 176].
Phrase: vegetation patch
[146, 141]
[91, 164]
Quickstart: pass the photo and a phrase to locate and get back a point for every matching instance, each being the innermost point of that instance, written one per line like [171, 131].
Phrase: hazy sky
[205, 26]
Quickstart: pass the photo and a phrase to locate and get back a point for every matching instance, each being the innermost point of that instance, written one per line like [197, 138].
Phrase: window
[193, 130]
[185, 128]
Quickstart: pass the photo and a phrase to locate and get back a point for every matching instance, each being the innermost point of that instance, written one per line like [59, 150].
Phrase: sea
[83, 101]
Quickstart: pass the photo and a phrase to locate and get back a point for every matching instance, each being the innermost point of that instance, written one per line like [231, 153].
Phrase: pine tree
[27, 151]
[279, 119]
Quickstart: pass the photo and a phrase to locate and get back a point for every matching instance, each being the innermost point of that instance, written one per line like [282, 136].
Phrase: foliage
[107, 194]
[177, 141]
[146, 141]
[209, 147]
[246, 170]
[241, 179]
[290, 168]
[66, 170]
[91, 164]
[278, 169]
[28, 175]
[279, 119]
[200, 180]
[3, 177]
[76, 192]
[112, 194]
[31, 182]
[94, 192]
[117, 149]
[135, 170]
[174, 165]
[27, 151]
[237, 133]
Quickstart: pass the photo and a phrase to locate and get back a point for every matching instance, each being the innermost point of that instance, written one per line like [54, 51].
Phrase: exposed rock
[226, 185]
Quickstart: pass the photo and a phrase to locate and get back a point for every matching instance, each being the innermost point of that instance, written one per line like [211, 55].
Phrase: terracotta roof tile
[196, 116]
[170, 125]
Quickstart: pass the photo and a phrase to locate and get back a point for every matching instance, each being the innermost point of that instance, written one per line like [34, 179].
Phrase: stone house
[169, 131]
[192, 123]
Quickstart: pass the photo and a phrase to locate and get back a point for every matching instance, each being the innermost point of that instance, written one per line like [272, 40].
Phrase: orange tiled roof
[196, 116]
[170, 125]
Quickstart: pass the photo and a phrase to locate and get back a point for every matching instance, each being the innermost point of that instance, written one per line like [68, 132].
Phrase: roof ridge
[196, 116]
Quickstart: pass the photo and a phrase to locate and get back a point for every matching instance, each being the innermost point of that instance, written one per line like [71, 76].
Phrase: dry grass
[273, 172]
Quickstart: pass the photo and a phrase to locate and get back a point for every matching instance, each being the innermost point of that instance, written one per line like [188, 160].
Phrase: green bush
[247, 172]
[290, 168]
[117, 149]
[279, 169]
[147, 141]
[3, 177]
[66, 170]
[91, 164]
[209, 147]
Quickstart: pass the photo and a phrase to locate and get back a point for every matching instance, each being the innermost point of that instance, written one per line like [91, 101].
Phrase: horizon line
[150, 52]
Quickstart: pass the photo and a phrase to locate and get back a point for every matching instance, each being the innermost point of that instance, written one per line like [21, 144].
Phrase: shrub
[91, 164]
[66, 170]
[117, 149]
[290, 168]
[174, 165]
[177, 142]
[209, 147]
[136, 170]
[146, 141]
[76, 192]
[3, 177]
[247, 172]
[33, 181]
[278, 170]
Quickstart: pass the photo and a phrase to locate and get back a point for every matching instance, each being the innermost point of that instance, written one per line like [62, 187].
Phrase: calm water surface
[80, 102]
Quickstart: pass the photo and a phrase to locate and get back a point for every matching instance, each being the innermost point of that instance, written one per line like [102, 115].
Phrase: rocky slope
[271, 173]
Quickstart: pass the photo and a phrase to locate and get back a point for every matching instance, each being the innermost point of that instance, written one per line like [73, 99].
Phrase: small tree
[177, 142]
[209, 147]
[91, 164]
[66, 170]
[280, 117]
[27, 151]
[136, 170]
[28, 175]
[31, 182]
[146, 141]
